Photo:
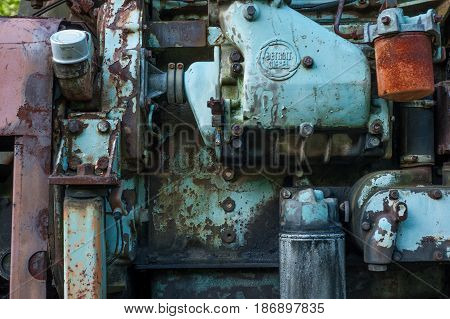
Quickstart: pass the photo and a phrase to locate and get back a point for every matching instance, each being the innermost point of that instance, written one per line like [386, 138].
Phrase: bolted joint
[435, 194]
[402, 211]
[235, 56]
[228, 205]
[237, 130]
[236, 68]
[228, 174]
[250, 12]
[394, 194]
[376, 127]
[285, 193]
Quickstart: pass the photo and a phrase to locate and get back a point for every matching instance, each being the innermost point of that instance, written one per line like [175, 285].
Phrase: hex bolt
[285, 193]
[235, 56]
[376, 127]
[402, 211]
[435, 194]
[228, 205]
[385, 20]
[103, 126]
[306, 129]
[228, 174]
[74, 161]
[365, 226]
[74, 126]
[307, 62]
[236, 68]
[237, 130]
[438, 255]
[394, 194]
[102, 163]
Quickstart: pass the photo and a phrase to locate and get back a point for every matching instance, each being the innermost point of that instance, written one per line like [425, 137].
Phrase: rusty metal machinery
[225, 149]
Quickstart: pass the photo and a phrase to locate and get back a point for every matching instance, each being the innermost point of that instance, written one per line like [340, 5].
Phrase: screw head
[385, 20]
[236, 68]
[307, 62]
[394, 194]
[103, 126]
[306, 129]
[365, 226]
[285, 193]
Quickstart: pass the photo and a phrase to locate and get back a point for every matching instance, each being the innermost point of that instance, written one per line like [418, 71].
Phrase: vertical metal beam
[29, 222]
[84, 248]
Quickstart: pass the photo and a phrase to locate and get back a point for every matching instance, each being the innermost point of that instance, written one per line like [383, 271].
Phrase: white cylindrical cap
[70, 46]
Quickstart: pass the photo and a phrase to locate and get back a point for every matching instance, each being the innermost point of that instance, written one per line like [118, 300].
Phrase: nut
[385, 20]
[307, 62]
[251, 11]
[103, 126]
[285, 193]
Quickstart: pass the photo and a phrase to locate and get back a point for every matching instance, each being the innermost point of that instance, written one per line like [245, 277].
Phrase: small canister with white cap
[72, 62]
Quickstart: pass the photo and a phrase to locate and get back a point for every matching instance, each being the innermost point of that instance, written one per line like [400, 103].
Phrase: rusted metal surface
[404, 66]
[443, 117]
[175, 34]
[84, 248]
[119, 25]
[26, 108]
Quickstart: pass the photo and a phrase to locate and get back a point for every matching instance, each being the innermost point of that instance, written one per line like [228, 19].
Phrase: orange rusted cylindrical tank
[404, 66]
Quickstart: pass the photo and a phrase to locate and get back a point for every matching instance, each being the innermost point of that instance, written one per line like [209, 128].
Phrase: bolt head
[385, 20]
[401, 210]
[228, 205]
[376, 127]
[171, 66]
[74, 161]
[373, 141]
[102, 163]
[236, 68]
[103, 126]
[285, 193]
[228, 174]
[307, 62]
[85, 169]
[306, 129]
